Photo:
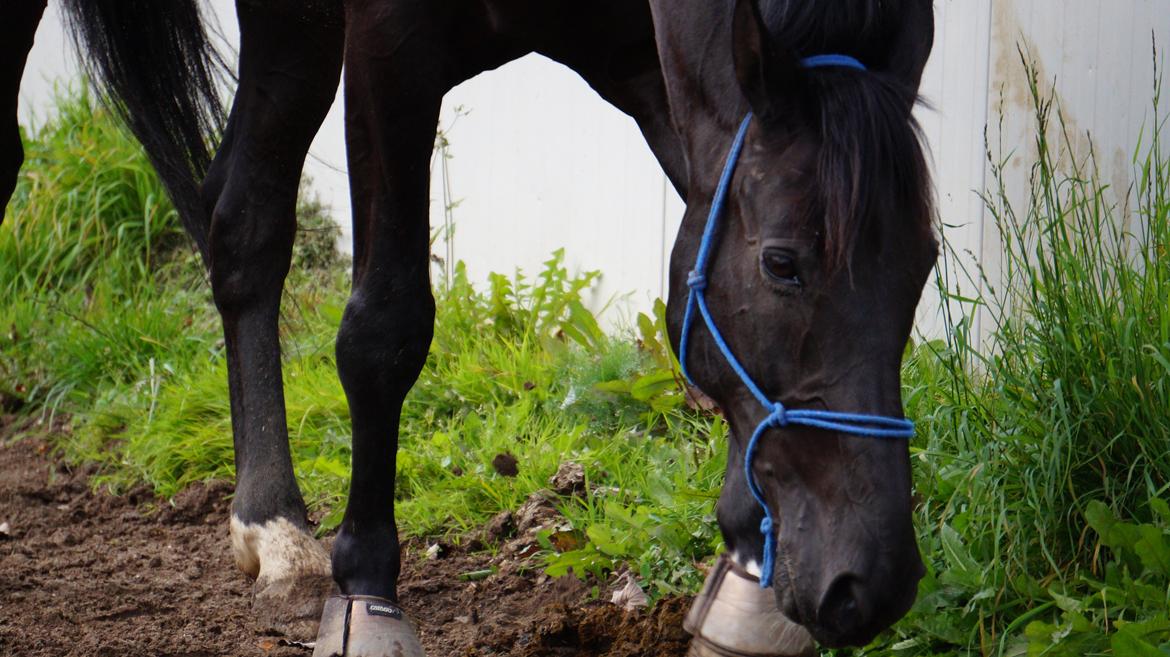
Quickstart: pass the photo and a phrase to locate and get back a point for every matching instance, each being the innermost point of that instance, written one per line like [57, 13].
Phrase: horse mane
[872, 149]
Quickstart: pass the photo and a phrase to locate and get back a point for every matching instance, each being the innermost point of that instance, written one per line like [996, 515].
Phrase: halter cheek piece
[874, 426]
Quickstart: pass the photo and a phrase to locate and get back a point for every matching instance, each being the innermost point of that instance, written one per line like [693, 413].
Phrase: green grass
[1036, 439]
[1040, 433]
[88, 244]
[86, 199]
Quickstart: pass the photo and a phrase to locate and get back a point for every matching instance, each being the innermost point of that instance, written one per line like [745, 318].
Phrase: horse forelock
[871, 164]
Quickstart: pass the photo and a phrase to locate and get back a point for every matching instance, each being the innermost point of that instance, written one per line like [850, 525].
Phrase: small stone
[5, 530]
[435, 552]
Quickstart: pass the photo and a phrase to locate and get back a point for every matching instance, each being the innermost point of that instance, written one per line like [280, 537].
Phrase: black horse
[813, 279]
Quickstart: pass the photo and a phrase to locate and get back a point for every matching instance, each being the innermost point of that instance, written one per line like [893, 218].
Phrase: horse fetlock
[365, 626]
[292, 574]
[734, 617]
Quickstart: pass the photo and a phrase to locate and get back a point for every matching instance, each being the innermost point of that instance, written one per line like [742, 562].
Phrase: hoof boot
[365, 626]
[734, 617]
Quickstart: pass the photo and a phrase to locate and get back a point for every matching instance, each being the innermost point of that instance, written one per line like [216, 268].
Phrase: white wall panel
[955, 90]
[540, 162]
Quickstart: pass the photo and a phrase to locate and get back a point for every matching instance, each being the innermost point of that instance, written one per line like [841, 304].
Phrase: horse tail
[154, 65]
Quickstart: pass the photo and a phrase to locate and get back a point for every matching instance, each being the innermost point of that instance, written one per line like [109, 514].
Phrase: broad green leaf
[1161, 508]
[1153, 548]
[331, 466]
[618, 387]
[964, 569]
[607, 541]
[649, 334]
[1126, 644]
[1159, 626]
[581, 327]
[1065, 602]
[1113, 532]
[949, 626]
[652, 385]
[1042, 634]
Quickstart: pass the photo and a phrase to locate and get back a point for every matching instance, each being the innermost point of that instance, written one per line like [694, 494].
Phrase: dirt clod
[536, 513]
[506, 465]
[569, 479]
[199, 501]
[501, 527]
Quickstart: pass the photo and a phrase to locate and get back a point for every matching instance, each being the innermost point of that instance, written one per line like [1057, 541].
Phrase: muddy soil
[83, 572]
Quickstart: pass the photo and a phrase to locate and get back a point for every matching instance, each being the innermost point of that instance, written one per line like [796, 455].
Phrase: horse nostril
[839, 610]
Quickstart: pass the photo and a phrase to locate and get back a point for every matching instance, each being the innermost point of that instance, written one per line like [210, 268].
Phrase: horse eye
[780, 266]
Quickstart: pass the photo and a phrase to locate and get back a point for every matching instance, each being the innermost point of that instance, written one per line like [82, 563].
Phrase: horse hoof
[365, 626]
[292, 571]
[734, 617]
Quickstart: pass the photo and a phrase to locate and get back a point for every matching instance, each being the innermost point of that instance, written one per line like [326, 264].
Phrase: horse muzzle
[851, 609]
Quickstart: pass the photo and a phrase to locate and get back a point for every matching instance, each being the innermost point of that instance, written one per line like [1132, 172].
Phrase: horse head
[801, 287]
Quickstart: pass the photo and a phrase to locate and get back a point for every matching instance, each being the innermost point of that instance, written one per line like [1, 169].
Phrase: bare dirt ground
[83, 572]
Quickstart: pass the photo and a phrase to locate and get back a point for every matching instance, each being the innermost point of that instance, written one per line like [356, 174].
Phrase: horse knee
[250, 246]
[382, 345]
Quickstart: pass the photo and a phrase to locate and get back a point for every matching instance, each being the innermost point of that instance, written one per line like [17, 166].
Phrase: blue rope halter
[779, 416]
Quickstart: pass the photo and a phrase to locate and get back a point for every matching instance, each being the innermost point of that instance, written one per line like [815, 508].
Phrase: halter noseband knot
[779, 416]
[697, 281]
[856, 424]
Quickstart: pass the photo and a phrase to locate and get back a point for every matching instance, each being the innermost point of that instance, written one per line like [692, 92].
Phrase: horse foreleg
[289, 70]
[395, 78]
[21, 20]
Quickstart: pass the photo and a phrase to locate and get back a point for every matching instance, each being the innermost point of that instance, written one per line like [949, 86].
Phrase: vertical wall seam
[988, 95]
